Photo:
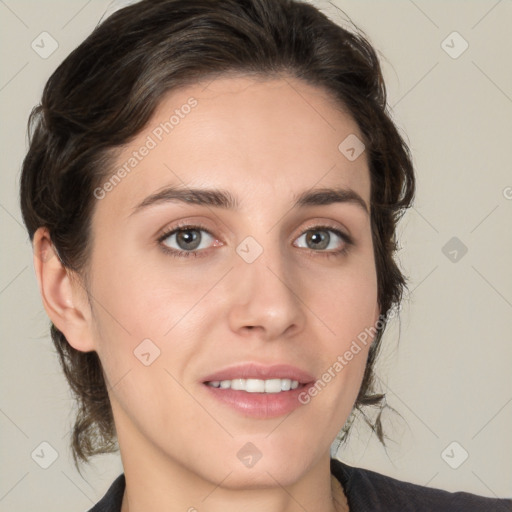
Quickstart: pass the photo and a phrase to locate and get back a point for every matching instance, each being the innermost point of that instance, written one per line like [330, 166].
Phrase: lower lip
[259, 405]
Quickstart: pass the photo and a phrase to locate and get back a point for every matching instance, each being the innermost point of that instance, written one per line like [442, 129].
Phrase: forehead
[264, 140]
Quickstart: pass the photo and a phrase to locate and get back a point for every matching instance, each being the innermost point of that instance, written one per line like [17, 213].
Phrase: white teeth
[286, 384]
[256, 385]
[273, 386]
[238, 384]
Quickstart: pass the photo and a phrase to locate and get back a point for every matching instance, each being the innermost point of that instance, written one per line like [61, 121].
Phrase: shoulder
[113, 499]
[370, 491]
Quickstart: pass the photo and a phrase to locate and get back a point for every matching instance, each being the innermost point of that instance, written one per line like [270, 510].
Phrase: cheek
[348, 311]
[123, 318]
[133, 295]
[147, 312]
[345, 300]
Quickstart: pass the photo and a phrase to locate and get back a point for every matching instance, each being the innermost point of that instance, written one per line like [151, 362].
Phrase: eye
[188, 240]
[184, 241]
[325, 239]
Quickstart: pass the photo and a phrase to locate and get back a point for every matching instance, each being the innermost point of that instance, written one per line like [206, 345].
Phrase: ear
[63, 295]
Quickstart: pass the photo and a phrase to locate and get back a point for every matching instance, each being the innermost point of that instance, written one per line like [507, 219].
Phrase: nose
[265, 300]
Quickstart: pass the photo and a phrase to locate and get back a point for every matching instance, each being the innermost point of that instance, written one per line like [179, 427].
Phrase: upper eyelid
[168, 231]
[325, 225]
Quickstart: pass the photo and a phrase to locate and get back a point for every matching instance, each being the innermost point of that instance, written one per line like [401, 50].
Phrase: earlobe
[63, 298]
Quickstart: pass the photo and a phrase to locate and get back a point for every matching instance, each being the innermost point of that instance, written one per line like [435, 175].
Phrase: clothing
[368, 491]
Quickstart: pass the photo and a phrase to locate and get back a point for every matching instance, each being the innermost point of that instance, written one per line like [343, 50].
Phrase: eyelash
[202, 252]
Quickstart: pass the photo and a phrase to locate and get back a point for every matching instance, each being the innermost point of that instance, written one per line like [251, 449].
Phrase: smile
[259, 391]
[256, 385]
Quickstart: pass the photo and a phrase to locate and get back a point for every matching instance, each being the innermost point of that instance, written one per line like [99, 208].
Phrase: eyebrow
[224, 199]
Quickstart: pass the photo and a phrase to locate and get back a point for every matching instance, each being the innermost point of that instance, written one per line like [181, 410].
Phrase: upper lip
[260, 371]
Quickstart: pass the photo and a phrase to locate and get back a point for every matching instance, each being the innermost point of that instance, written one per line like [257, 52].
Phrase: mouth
[256, 385]
[258, 391]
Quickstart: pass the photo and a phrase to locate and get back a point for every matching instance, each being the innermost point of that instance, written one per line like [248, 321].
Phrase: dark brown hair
[105, 92]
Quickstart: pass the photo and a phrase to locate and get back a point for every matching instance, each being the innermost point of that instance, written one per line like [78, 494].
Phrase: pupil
[188, 239]
[320, 239]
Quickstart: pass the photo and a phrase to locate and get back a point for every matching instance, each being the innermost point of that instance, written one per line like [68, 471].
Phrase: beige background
[448, 376]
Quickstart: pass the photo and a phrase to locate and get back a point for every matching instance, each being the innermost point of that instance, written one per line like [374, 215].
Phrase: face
[214, 313]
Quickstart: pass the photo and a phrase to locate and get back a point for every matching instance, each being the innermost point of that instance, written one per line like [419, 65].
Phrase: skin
[264, 141]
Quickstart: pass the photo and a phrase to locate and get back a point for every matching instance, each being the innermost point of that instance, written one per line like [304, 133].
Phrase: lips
[251, 390]
[261, 372]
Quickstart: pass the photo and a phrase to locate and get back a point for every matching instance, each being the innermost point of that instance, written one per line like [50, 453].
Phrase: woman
[212, 191]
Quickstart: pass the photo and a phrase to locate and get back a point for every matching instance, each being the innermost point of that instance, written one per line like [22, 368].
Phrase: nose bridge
[264, 294]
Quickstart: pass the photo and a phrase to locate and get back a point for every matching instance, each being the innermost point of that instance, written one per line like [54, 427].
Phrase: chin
[261, 464]
[264, 475]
